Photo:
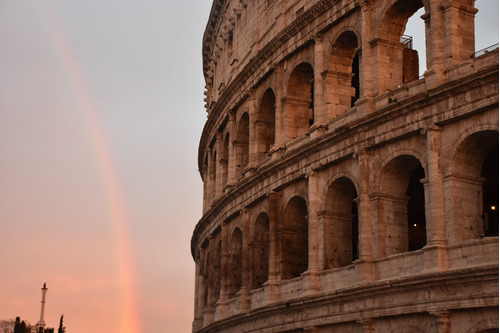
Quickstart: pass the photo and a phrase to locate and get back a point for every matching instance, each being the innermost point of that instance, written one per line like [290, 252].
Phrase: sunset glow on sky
[101, 111]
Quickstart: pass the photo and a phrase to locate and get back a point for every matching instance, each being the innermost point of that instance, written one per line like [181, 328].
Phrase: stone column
[223, 297]
[252, 135]
[368, 325]
[313, 193]
[314, 265]
[443, 324]
[435, 223]
[231, 158]
[320, 116]
[279, 135]
[205, 189]
[436, 45]
[437, 234]
[458, 19]
[245, 264]
[210, 177]
[210, 306]
[218, 164]
[366, 68]
[272, 281]
[198, 296]
[364, 265]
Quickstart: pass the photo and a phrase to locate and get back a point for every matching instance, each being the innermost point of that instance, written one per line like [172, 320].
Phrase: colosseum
[344, 191]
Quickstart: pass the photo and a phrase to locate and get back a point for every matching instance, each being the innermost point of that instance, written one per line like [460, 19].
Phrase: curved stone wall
[343, 192]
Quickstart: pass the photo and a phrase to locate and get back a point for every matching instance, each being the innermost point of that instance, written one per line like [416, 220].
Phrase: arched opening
[294, 239]
[260, 251]
[299, 101]
[415, 60]
[234, 262]
[340, 221]
[225, 160]
[417, 237]
[397, 61]
[490, 192]
[241, 144]
[343, 74]
[266, 124]
[473, 187]
[401, 224]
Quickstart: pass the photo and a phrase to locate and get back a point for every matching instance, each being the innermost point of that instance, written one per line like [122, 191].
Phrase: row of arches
[274, 240]
[310, 96]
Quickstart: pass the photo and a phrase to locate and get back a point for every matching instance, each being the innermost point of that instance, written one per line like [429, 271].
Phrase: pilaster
[231, 158]
[314, 265]
[320, 116]
[272, 281]
[364, 265]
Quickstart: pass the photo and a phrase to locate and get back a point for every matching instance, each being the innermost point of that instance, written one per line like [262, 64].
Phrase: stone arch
[260, 251]
[265, 123]
[343, 75]
[473, 184]
[485, 326]
[293, 239]
[340, 224]
[235, 260]
[400, 206]
[241, 144]
[397, 62]
[299, 100]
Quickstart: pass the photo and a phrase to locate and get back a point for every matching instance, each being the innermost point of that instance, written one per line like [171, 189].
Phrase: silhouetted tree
[19, 326]
[7, 325]
[61, 329]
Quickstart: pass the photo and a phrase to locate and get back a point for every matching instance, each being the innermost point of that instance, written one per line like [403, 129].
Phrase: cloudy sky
[101, 110]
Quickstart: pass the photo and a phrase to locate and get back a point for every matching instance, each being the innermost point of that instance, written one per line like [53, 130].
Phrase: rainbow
[130, 322]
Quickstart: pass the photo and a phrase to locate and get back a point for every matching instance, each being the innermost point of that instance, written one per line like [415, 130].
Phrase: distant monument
[41, 322]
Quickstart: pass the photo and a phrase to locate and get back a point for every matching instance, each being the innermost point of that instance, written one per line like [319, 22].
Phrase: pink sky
[101, 110]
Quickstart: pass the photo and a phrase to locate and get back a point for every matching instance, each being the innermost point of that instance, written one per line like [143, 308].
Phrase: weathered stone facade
[343, 193]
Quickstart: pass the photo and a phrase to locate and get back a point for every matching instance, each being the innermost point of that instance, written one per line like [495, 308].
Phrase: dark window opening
[416, 211]
[490, 193]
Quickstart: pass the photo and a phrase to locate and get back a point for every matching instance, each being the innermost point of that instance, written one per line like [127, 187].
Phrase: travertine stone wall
[342, 192]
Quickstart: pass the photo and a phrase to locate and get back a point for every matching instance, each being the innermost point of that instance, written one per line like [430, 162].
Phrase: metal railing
[484, 51]
[408, 41]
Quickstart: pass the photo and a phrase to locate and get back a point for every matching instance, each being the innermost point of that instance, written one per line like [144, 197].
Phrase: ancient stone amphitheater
[343, 192]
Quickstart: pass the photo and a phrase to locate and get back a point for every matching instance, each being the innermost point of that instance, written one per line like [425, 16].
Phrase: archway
[241, 144]
[473, 187]
[401, 224]
[397, 61]
[266, 124]
[260, 251]
[299, 101]
[235, 260]
[340, 221]
[343, 74]
[294, 239]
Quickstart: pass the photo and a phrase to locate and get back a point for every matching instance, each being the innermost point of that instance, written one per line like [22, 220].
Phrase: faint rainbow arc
[130, 318]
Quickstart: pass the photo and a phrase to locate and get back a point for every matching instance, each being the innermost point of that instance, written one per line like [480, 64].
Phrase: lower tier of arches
[463, 300]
